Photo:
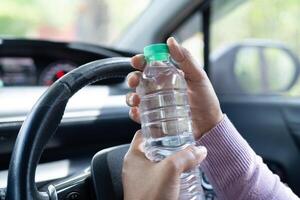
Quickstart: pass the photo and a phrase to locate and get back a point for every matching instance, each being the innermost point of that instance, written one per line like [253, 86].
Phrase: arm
[233, 168]
[235, 171]
[146, 180]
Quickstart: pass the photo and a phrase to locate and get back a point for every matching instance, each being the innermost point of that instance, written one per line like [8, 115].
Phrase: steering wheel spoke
[41, 124]
[75, 187]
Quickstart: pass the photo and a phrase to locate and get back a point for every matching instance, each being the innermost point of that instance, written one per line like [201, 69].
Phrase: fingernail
[138, 56]
[128, 77]
[177, 46]
[174, 41]
[130, 100]
[201, 152]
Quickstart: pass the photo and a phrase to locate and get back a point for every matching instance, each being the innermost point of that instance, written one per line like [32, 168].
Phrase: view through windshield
[93, 21]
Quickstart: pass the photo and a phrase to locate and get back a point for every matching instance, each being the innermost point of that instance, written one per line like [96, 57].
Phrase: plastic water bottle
[166, 116]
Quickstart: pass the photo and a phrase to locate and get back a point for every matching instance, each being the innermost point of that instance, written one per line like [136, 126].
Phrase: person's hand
[143, 179]
[205, 107]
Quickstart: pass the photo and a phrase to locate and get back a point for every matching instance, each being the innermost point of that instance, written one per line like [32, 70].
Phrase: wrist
[204, 125]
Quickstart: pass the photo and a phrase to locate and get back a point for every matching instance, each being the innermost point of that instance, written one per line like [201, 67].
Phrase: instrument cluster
[25, 71]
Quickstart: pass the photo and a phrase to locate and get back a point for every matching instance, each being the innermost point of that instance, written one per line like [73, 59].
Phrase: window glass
[247, 71]
[92, 21]
[190, 36]
[261, 42]
[281, 69]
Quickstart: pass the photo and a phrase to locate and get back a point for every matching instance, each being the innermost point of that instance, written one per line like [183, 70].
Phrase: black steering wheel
[40, 125]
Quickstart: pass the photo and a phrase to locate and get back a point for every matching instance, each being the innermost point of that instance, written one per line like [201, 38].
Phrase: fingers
[175, 50]
[134, 114]
[132, 99]
[185, 159]
[136, 142]
[133, 79]
[188, 64]
[138, 62]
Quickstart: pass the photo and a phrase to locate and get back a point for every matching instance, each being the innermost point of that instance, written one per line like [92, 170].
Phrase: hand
[143, 179]
[205, 106]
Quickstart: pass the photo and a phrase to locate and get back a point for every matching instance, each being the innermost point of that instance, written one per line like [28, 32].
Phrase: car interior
[64, 123]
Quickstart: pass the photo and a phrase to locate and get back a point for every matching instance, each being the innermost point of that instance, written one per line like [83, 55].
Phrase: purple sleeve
[235, 171]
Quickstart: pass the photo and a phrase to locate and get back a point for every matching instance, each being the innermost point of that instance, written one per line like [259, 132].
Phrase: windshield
[92, 21]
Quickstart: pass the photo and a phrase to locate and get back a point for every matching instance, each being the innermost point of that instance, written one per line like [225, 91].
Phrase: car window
[92, 21]
[257, 41]
[190, 35]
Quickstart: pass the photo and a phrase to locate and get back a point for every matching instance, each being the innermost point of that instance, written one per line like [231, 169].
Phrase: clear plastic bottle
[166, 116]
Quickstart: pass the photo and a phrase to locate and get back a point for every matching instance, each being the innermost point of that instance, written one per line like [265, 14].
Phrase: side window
[263, 71]
[254, 49]
[190, 36]
[246, 70]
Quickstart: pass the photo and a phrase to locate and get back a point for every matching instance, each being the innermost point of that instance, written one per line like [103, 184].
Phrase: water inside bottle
[166, 117]
[160, 148]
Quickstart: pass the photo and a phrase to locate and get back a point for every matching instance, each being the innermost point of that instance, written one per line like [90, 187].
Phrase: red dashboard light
[60, 74]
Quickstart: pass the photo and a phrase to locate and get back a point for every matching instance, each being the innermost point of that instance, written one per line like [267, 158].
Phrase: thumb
[136, 143]
[192, 70]
[185, 159]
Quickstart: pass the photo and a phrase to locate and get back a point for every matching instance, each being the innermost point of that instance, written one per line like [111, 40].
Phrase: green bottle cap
[156, 52]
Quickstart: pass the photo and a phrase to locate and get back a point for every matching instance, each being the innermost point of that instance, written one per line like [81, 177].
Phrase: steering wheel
[40, 125]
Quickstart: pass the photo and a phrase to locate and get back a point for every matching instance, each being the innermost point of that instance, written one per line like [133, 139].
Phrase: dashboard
[97, 117]
[27, 71]
[41, 63]
[28, 67]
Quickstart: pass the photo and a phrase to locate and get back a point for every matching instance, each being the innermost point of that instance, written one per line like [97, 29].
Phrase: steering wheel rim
[43, 120]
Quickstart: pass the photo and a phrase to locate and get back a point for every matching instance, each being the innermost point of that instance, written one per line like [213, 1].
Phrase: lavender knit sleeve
[235, 171]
